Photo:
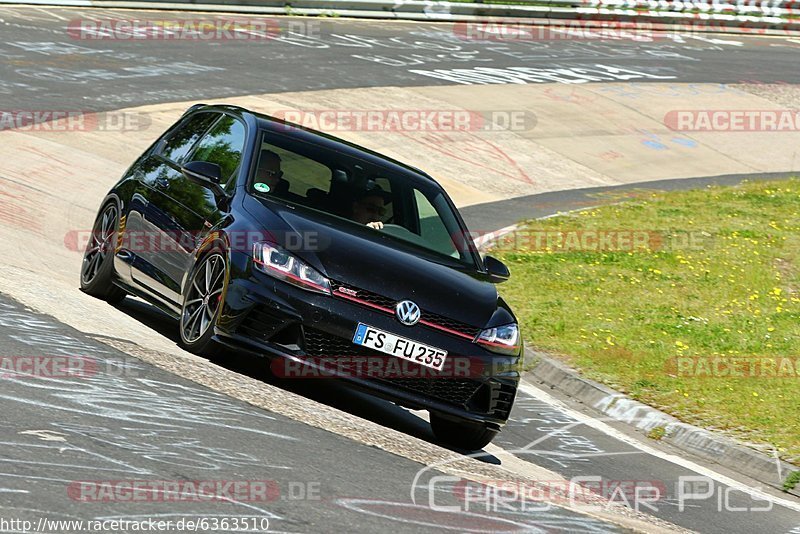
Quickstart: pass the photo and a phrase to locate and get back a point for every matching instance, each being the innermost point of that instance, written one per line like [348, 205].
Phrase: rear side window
[223, 145]
[181, 141]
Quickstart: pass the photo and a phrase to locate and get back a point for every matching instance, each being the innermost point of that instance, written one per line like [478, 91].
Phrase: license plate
[407, 349]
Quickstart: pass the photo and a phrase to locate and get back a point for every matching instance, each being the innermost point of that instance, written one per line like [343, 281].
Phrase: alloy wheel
[101, 243]
[203, 298]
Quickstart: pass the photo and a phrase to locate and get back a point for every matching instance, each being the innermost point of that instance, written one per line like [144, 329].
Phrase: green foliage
[716, 276]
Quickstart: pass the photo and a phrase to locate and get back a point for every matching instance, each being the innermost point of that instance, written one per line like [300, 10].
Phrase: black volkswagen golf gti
[333, 260]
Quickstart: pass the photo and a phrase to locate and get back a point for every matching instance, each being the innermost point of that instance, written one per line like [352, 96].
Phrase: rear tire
[202, 301]
[465, 435]
[97, 268]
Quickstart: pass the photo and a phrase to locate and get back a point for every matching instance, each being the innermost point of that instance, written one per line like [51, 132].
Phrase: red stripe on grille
[364, 302]
[445, 329]
[392, 312]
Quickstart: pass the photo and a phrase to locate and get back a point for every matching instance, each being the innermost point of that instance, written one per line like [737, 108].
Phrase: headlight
[274, 261]
[503, 339]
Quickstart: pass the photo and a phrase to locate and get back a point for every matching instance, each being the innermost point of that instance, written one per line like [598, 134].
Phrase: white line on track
[677, 460]
[50, 13]
[25, 15]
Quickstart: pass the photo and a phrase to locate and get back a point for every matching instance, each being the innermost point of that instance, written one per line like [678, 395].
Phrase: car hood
[364, 258]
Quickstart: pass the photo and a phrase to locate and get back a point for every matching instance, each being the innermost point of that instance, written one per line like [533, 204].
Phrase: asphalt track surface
[504, 214]
[65, 441]
[145, 423]
[46, 64]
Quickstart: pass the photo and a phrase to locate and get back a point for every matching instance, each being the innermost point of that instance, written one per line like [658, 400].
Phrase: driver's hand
[378, 225]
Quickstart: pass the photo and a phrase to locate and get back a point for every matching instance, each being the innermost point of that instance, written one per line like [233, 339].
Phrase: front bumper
[273, 318]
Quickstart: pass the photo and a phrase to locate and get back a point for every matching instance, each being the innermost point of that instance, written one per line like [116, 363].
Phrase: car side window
[432, 228]
[181, 141]
[223, 145]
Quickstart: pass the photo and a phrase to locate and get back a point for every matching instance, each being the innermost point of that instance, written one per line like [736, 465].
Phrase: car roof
[274, 124]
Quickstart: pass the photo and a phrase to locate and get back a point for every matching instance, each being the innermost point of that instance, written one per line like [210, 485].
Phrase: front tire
[202, 301]
[465, 435]
[97, 269]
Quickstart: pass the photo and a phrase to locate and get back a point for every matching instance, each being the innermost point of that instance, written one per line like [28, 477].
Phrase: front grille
[364, 295]
[321, 344]
[368, 297]
[456, 391]
[451, 390]
[451, 324]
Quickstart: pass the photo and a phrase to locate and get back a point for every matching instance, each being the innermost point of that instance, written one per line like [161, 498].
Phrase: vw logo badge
[407, 312]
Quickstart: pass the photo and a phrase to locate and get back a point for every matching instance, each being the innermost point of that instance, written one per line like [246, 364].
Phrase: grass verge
[687, 301]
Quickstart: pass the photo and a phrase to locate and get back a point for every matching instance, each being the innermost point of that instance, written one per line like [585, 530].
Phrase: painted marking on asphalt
[682, 462]
[49, 13]
[717, 41]
[45, 435]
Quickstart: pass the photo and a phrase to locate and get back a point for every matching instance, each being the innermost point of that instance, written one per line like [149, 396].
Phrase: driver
[269, 169]
[369, 206]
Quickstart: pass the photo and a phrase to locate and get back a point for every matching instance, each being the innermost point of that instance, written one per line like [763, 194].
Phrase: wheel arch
[215, 241]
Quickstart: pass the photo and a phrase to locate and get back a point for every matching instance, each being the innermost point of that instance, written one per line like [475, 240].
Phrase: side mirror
[206, 174]
[498, 272]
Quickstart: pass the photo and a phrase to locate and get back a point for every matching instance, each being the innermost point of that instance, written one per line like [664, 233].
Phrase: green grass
[723, 280]
[791, 481]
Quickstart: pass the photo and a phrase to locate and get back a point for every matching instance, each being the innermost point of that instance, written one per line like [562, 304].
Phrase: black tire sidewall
[102, 285]
[466, 435]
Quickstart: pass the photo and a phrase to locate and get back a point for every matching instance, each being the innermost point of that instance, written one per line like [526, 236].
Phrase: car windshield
[361, 193]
